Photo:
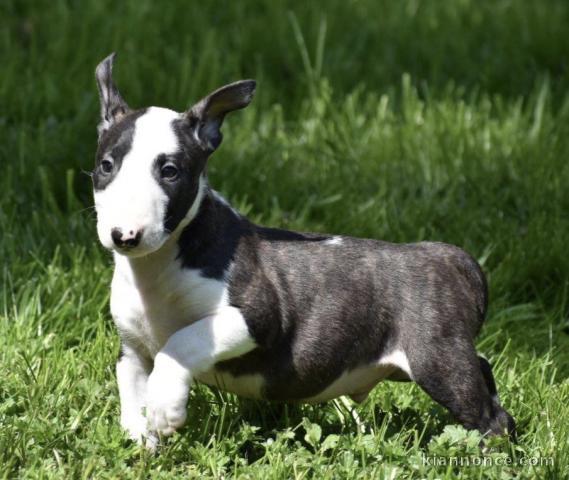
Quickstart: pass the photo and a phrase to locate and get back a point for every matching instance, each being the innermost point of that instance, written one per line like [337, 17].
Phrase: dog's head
[149, 173]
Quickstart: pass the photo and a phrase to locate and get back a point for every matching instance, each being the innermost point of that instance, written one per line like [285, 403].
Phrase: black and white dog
[199, 292]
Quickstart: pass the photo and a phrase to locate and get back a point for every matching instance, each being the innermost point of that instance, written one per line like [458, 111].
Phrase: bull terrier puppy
[201, 293]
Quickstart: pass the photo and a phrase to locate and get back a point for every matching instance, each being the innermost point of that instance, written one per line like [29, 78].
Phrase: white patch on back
[333, 241]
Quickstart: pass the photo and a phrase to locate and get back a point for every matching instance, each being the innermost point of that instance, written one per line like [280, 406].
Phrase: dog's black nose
[130, 239]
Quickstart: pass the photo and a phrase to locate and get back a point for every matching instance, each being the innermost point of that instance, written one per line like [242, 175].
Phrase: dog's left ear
[113, 107]
[206, 116]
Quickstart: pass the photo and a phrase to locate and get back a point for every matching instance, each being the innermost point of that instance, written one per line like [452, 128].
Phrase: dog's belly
[248, 385]
[356, 383]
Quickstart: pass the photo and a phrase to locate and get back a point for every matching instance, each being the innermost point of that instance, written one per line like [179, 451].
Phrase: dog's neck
[206, 240]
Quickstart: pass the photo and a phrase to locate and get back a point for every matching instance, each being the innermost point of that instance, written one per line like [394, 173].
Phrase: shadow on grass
[227, 415]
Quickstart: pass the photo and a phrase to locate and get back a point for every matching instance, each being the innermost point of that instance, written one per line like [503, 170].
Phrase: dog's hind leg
[504, 417]
[454, 376]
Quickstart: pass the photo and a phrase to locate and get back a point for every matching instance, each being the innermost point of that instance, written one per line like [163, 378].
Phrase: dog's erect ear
[206, 116]
[113, 107]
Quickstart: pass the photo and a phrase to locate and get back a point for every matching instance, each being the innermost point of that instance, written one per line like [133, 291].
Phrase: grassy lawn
[400, 120]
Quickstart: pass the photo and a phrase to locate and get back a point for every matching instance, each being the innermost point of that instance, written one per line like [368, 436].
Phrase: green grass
[399, 120]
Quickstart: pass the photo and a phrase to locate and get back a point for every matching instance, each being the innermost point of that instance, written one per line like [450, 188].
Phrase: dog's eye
[169, 172]
[106, 166]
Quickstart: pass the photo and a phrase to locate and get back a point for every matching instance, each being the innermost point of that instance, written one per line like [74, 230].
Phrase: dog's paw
[136, 427]
[166, 397]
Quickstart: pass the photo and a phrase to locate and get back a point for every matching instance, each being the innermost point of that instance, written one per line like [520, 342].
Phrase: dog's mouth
[132, 252]
[144, 248]
[125, 248]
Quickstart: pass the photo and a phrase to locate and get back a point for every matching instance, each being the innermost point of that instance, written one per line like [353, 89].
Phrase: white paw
[166, 396]
[137, 430]
[134, 425]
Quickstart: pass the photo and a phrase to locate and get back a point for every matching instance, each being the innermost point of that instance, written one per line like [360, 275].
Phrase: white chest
[151, 298]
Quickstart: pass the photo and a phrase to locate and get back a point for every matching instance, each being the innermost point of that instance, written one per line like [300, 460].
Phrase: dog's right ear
[206, 116]
[113, 107]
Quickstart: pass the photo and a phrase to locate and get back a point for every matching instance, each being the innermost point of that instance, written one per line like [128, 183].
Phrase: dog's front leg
[132, 377]
[187, 353]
